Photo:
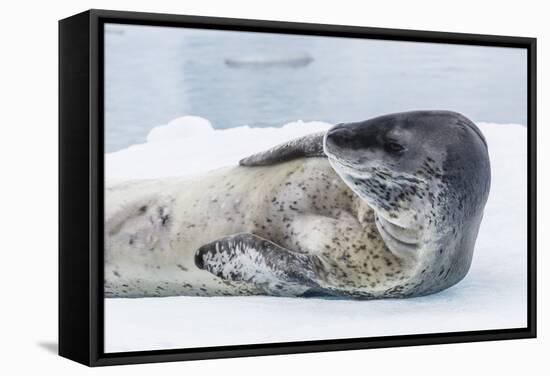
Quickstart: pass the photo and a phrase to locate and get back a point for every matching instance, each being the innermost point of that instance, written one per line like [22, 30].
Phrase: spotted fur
[363, 223]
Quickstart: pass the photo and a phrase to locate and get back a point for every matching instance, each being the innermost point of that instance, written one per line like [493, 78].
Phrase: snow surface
[492, 296]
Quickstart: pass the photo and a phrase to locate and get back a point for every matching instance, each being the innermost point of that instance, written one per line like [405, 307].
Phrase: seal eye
[394, 147]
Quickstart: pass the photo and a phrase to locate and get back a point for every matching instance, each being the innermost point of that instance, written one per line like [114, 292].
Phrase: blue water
[154, 74]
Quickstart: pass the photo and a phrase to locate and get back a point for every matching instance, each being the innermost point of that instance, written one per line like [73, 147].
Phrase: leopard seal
[387, 207]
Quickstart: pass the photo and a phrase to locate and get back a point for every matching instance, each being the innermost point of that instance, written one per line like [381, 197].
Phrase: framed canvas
[234, 187]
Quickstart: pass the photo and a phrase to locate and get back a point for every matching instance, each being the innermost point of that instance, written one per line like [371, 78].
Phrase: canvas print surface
[265, 188]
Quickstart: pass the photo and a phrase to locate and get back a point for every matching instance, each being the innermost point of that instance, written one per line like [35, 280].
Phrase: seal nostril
[340, 136]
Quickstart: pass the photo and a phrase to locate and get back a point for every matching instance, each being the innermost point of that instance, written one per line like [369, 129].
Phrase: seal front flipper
[249, 258]
[303, 147]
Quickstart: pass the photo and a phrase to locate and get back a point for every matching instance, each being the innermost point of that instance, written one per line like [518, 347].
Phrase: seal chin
[402, 242]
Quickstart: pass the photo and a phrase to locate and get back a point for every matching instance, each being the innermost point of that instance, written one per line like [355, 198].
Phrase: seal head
[427, 176]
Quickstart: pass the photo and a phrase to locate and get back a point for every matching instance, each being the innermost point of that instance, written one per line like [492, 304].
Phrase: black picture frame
[81, 186]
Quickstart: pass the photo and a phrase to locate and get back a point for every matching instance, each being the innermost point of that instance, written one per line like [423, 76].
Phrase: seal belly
[154, 227]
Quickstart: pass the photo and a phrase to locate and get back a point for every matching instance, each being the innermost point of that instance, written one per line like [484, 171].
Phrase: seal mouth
[348, 168]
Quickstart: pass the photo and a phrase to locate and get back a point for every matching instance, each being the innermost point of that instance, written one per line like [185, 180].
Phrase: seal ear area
[304, 147]
[435, 118]
[466, 123]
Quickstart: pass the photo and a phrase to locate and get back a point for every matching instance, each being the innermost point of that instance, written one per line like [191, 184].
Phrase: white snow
[492, 296]
[190, 145]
